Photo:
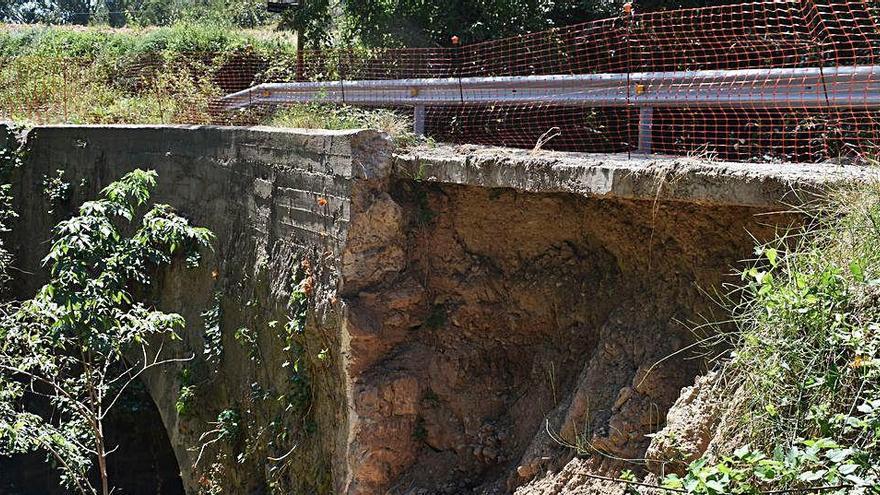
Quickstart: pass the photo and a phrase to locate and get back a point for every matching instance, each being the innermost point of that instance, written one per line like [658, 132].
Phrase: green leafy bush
[326, 116]
[87, 336]
[805, 367]
[806, 465]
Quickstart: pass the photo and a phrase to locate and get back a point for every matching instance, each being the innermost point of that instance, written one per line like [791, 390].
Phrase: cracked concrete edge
[368, 150]
[255, 129]
[635, 177]
[370, 156]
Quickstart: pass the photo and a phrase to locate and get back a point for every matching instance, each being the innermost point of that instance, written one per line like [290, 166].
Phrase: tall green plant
[804, 372]
[69, 354]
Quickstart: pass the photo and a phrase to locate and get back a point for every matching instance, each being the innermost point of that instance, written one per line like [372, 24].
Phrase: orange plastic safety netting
[762, 81]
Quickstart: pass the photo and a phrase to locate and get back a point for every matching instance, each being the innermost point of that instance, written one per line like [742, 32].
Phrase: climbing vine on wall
[213, 347]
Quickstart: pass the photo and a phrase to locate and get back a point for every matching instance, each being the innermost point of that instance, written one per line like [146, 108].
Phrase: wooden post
[299, 56]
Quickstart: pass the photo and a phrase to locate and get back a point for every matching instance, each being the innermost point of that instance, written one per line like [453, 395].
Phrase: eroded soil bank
[460, 321]
[495, 333]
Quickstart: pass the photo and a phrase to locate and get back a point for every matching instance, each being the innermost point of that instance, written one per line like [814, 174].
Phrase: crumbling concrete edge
[655, 178]
[635, 177]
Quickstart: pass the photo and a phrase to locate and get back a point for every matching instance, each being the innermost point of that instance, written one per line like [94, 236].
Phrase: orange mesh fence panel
[760, 81]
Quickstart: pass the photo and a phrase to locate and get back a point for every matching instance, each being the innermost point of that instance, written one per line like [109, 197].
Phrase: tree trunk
[299, 56]
[102, 459]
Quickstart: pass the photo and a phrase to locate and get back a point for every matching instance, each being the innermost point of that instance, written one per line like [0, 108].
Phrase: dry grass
[325, 116]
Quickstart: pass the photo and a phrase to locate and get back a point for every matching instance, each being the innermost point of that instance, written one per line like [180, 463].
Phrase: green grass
[51, 90]
[161, 75]
[324, 116]
[804, 373]
[158, 75]
[810, 325]
[114, 45]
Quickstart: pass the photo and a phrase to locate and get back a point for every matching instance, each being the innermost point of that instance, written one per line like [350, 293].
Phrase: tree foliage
[68, 354]
[373, 23]
[433, 22]
[426, 23]
[314, 21]
[118, 13]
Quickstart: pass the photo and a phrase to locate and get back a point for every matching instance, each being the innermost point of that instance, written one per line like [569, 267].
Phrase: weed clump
[175, 74]
[326, 116]
[135, 76]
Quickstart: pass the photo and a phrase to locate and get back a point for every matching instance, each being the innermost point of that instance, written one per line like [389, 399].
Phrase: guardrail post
[419, 120]
[646, 118]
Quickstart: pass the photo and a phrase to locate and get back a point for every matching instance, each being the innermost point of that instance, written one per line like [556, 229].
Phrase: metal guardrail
[801, 88]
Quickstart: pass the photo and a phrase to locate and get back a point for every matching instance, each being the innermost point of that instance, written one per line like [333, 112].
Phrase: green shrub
[328, 116]
[166, 75]
[111, 46]
[87, 335]
[93, 76]
[805, 368]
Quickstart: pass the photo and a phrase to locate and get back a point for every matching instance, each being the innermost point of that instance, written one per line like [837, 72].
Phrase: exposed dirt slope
[495, 333]
[373, 334]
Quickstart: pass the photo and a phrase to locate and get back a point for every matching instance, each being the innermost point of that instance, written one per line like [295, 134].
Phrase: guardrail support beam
[419, 115]
[787, 88]
[646, 122]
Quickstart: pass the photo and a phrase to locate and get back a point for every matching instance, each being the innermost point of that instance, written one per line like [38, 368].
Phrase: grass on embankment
[805, 369]
[319, 116]
[115, 46]
[94, 75]
[158, 75]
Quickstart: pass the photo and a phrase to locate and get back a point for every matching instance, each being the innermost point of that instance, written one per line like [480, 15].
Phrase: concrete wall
[272, 198]
[266, 179]
[382, 240]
